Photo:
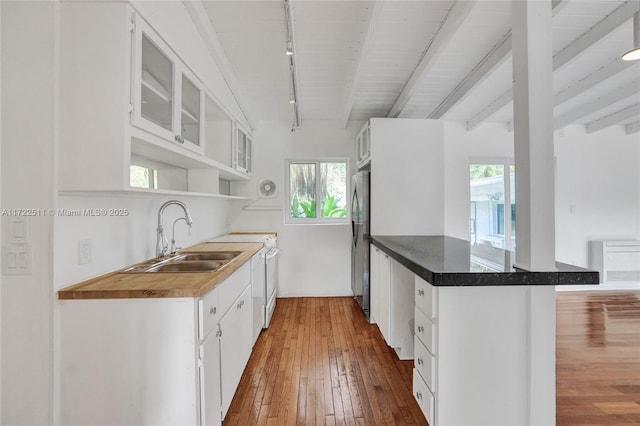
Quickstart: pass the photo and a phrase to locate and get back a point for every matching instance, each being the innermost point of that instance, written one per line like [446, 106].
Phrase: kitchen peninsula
[481, 332]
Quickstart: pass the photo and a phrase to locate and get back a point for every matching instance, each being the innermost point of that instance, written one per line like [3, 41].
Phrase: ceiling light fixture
[289, 50]
[634, 54]
[292, 99]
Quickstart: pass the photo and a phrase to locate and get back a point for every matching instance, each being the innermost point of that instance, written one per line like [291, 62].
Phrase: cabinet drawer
[425, 364]
[426, 331]
[426, 297]
[425, 399]
[209, 313]
[233, 286]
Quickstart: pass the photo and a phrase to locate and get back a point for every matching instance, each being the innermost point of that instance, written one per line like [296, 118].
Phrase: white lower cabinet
[425, 398]
[484, 355]
[235, 345]
[392, 301]
[209, 378]
[154, 361]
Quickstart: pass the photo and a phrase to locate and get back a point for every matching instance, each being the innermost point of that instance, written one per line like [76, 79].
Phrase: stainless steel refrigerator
[360, 240]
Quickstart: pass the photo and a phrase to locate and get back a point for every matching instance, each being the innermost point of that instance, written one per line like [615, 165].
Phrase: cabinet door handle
[420, 292]
[420, 329]
[212, 311]
[419, 395]
[419, 361]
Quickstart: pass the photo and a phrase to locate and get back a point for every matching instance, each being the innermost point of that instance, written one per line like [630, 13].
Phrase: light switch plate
[84, 252]
[19, 230]
[17, 259]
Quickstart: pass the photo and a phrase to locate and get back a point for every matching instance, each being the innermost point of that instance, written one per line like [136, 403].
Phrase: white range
[264, 270]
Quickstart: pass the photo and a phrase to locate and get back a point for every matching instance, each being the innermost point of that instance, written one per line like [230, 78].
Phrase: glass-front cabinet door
[168, 101]
[156, 85]
[243, 151]
[192, 105]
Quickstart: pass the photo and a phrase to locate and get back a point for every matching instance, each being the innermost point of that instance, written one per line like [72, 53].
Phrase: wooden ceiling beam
[355, 82]
[484, 68]
[571, 51]
[620, 94]
[613, 119]
[454, 19]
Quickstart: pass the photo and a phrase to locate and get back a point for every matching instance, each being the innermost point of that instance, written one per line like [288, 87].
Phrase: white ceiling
[424, 59]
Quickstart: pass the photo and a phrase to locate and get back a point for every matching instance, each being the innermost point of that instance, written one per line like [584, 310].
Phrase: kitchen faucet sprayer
[162, 245]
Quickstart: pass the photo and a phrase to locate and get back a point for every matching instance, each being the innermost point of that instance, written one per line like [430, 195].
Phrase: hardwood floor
[320, 363]
[598, 358]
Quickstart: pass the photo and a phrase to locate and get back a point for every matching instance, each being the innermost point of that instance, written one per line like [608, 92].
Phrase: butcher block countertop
[119, 285]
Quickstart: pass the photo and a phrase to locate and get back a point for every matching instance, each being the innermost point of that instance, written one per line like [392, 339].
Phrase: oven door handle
[272, 253]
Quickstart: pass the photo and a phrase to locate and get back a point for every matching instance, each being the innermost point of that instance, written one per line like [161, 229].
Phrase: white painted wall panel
[315, 260]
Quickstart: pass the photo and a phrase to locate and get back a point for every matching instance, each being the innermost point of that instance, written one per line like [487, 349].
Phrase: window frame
[288, 219]
[506, 162]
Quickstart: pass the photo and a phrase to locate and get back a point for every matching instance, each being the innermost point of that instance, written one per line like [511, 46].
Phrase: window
[317, 191]
[490, 222]
[143, 177]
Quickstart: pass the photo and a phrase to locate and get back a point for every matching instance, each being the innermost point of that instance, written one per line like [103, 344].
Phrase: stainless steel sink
[218, 255]
[187, 262]
[188, 266]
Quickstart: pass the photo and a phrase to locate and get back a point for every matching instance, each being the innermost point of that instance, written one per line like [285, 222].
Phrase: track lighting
[634, 54]
[289, 50]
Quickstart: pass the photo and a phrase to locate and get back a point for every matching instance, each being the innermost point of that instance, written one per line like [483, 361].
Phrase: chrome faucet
[162, 244]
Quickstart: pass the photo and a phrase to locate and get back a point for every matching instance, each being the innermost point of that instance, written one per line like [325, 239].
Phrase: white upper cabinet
[243, 150]
[363, 146]
[168, 98]
[134, 115]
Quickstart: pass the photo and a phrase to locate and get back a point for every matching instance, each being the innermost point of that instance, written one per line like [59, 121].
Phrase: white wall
[597, 189]
[118, 241]
[597, 183]
[315, 259]
[28, 117]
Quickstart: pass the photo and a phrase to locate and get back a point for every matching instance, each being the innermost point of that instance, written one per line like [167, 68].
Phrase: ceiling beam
[357, 76]
[632, 128]
[612, 119]
[575, 48]
[490, 109]
[204, 26]
[454, 19]
[586, 83]
[621, 93]
[596, 33]
[495, 57]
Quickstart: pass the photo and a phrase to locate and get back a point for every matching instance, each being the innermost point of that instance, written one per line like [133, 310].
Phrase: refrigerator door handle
[355, 212]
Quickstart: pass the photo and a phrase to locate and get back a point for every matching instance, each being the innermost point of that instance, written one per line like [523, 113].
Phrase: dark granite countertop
[448, 261]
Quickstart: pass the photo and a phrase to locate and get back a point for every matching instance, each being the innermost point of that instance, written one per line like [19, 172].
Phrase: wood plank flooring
[321, 363]
[598, 358]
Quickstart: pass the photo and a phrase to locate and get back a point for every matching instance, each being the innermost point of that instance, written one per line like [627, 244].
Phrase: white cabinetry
[236, 341]
[392, 301]
[157, 361]
[129, 100]
[407, 169]
[363, 146]
[489, 349]
[168, 98]
[243, 152]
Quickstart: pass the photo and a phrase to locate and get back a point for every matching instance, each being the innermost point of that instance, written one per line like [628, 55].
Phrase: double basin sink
[187, 262]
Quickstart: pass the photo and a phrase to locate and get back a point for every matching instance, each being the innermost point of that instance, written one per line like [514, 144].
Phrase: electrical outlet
[84, 252]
